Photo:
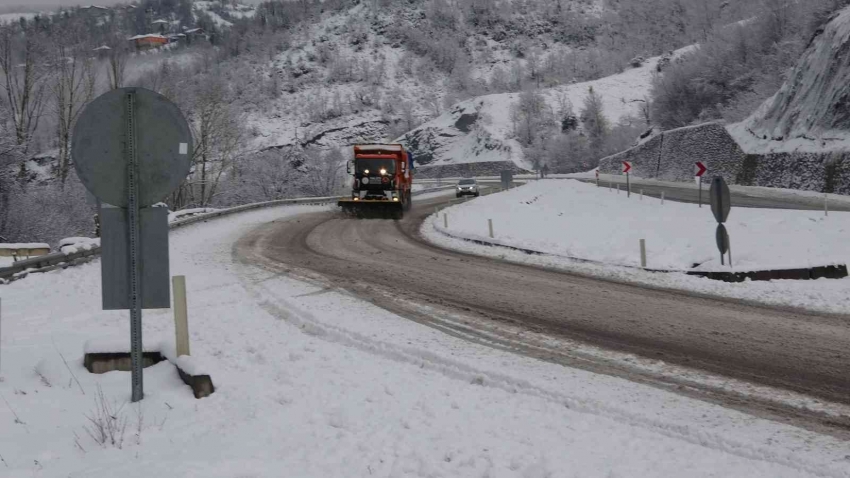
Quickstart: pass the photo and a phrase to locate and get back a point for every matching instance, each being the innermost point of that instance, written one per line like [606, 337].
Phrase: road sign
[720, 199]
[722, 238]
[131, 148]
[153, 258]
[699, 169]
[163, 146]
[627, 166]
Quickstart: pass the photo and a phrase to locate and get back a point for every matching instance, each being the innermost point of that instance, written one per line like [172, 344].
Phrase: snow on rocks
[318, 383]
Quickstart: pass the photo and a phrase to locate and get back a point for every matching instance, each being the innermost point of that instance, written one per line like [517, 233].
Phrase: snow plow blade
[372, 209]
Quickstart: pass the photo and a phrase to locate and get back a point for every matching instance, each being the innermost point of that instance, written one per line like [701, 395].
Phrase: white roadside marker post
[643, 253]
[618, 189]
[445, 221]
[662, 198]
[490, 224]
[1, 337]
[181, 316]
[641, 194]
[729, 250]
[825, 205]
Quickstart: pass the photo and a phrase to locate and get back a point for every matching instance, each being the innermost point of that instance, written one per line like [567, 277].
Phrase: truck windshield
[374, 166]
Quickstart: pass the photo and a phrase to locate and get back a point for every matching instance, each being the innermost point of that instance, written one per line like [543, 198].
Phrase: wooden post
[643, 253]
[490, 223]
[181, 315]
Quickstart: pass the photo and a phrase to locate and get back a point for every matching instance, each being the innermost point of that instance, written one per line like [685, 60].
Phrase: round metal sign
[163, 146]
[722, 238]
[720, 198]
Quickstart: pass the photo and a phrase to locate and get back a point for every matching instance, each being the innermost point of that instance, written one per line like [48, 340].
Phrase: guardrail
[60, 260]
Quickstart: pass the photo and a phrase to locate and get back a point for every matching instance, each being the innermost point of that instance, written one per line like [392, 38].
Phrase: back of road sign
[163, 147]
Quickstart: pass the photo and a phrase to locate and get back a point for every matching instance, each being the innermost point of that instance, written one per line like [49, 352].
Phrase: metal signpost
[131, 148]
[699, 170]
[627, 166]
[720, 206]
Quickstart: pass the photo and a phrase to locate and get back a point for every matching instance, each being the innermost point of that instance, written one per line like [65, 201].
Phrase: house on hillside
[146, 42]
[161, 26]
[194, 34]
[95, 10]
[102, 51]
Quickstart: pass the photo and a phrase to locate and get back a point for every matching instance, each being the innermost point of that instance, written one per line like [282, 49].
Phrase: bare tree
[10, 154]
[596, 125]
[325, 172]
[23, 79]
[219, 138]
[117, 64]
[72, 87]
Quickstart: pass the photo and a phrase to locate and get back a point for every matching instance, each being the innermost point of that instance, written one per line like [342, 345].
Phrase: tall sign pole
[131, 148]
[627, 166]
[135, 276]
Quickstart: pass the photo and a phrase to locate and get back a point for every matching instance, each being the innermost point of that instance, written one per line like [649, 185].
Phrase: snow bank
[72, 245]
[184, 213]
[578, 220]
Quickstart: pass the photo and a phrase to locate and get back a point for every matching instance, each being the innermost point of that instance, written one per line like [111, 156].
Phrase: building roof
[102, 48]
[149, 35]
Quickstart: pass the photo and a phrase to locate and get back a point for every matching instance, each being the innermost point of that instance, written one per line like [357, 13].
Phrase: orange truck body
[383, 176]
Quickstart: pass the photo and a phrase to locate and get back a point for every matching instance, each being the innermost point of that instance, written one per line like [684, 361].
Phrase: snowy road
[388, 263]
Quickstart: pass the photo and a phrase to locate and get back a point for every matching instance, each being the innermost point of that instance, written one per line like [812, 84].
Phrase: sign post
[131, 148]
[720, 206]
[627, 166]
[699, 170]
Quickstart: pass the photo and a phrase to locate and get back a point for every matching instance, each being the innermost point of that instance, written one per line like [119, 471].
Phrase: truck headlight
[383, 172]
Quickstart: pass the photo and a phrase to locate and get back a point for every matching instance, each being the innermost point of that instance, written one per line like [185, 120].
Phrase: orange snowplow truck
[383, 174]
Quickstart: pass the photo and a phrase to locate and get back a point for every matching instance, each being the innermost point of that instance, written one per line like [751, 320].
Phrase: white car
[467, 187]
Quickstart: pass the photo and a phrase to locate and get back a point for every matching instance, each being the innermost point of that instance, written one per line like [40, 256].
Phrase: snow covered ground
[569, 220]
[312, 382]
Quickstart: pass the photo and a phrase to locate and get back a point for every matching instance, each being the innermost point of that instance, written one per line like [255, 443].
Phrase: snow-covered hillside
[481, 129]
[811, 113]
[351, 76]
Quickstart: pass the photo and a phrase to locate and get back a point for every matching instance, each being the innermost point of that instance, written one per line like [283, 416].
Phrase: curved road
[388, 263]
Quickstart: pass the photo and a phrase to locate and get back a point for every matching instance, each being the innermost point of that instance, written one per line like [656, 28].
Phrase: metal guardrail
[60, 260]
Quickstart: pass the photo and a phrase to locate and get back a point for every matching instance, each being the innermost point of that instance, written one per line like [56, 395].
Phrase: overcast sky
[28, 5]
